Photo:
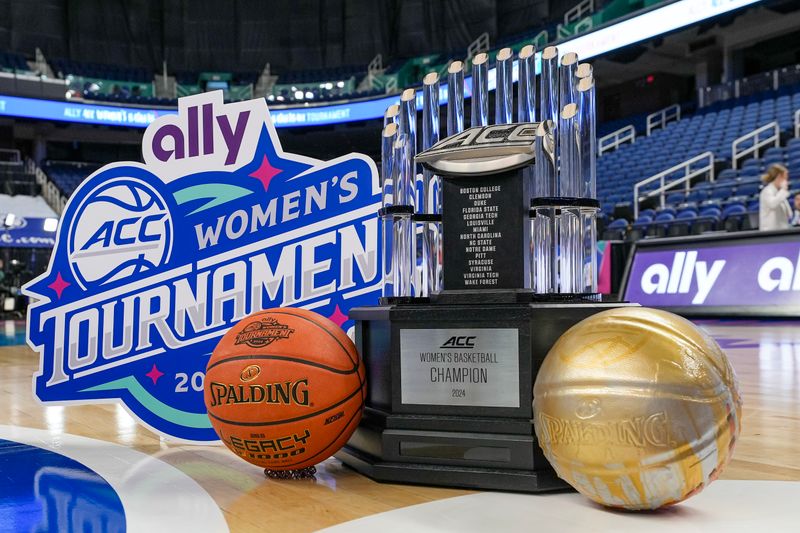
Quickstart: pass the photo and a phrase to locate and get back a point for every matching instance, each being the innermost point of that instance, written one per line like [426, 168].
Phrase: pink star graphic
[338, 317]
[265, 173]
[59, 285]
[154, 374]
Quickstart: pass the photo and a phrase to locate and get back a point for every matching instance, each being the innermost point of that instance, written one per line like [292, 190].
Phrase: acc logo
[482, 150]
[459, 342]
[263, 332]
[121, 228]
[154, 262]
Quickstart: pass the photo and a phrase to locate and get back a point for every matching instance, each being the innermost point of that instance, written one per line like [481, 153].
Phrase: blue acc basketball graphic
[154, 262]
[128, 231]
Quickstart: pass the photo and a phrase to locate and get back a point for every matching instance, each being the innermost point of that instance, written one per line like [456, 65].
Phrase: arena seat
[707, 220]
[748, 189]
[682, 223]
[697, 195]
[721, 192]
[66, 67]
[675, 198]
[67, 175]
[12, 61]
[732, 217]
[713, 129]
[659, 226]
[639, 227]
[616, 229]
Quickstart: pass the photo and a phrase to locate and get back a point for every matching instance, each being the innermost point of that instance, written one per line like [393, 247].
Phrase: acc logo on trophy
[482, 150]
[459, 342]
[154, 262]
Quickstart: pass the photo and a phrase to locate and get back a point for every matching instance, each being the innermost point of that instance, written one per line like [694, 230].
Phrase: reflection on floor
[13, 332]
[57, 482]
[173, 487]
[42, 489]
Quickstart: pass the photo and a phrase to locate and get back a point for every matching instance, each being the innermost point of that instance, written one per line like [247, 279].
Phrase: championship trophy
[507, 222]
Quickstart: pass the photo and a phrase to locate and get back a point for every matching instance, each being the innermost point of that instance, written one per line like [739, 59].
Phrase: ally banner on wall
[751, 274]
[154, 262]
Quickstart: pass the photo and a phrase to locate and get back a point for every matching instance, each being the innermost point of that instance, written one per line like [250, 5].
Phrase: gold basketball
[636, 408]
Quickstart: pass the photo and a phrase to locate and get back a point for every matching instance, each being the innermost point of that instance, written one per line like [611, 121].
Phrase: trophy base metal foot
[451, 476]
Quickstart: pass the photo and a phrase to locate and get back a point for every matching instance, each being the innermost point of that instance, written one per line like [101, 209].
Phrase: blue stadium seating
[322, 75]
[713, 129]
[101, 71]
[733, 215]
[67, 175]
[13, 61]
[616, 229]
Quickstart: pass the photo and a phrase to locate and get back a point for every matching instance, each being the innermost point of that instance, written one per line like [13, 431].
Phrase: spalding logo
[284, 393]
[154, 262]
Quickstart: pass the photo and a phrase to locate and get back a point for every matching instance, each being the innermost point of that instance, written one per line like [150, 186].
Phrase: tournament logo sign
[154, 262]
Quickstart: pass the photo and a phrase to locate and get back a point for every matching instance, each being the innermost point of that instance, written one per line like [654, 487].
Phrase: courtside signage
[744, 276]
[154, 262]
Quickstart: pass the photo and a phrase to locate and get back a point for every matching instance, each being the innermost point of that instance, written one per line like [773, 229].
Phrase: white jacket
[774, 211]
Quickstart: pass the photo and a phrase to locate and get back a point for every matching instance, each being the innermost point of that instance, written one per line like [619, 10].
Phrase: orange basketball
[285, 388]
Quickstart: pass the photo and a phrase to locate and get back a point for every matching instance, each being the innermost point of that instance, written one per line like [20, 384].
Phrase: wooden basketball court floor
[765, 355]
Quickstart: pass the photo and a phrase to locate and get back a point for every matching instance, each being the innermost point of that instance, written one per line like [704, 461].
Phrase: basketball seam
[349, 421]
[279, 357]
[321, 326]
[290, 420]
[325, 329]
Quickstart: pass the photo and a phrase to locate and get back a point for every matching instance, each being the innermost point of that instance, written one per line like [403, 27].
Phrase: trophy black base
[450, 389]
[462, 477]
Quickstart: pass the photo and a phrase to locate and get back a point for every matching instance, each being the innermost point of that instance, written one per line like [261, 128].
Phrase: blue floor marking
[43, 491]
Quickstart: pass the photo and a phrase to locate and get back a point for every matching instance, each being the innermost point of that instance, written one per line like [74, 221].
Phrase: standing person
[796, 215]
[774, 211]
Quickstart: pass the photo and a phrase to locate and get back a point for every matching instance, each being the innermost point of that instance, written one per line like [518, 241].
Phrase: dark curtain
[243, 35]
[124, 32]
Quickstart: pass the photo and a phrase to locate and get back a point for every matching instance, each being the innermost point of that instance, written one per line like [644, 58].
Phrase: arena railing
[759, 142]
[580, 14]
[50, 192]
[797, 123]
[763, 81]
[10, 157]
[615, 139]
[659, 119]
[706, 161]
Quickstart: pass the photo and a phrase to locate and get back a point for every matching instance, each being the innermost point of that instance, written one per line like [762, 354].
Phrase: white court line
[723, 507]
[156, 496]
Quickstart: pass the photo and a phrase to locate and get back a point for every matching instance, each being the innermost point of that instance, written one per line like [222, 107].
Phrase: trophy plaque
[505, 267]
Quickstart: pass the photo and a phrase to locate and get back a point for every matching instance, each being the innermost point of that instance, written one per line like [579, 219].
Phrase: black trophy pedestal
[449, 392]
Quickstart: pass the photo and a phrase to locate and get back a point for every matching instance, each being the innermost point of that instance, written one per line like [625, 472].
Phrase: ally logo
[154, 262]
